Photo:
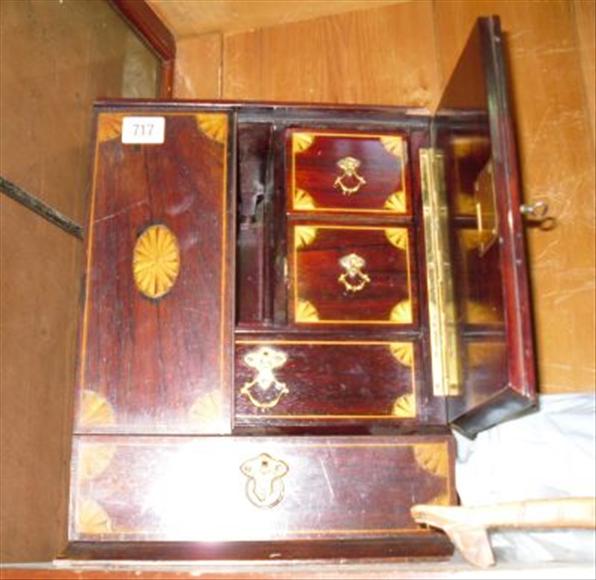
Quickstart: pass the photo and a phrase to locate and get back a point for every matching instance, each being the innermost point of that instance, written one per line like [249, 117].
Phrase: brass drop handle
[536, 214]
[265, 391]
[354, 279]
[350, 181]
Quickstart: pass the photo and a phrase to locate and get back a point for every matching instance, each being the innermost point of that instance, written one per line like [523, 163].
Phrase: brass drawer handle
[264, 488]
[353, 279]
[349, 167]
[265, 360]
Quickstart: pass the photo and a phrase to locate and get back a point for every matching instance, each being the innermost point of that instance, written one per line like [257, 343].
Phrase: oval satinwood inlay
[156, 261]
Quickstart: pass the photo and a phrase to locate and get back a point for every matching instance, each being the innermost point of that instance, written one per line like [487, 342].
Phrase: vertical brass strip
[441, 306]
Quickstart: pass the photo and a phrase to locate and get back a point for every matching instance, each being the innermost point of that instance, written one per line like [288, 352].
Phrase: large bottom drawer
[256, 489]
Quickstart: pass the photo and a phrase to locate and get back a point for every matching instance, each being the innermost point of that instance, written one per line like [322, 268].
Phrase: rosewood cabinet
[286, 307]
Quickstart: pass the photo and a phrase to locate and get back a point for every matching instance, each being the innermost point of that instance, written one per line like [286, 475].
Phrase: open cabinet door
[489, 299]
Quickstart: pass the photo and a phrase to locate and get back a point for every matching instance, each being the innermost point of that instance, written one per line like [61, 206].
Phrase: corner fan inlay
[156, 261]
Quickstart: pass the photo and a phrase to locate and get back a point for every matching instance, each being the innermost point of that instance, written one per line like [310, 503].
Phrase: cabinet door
[474, 135]
[155, 338]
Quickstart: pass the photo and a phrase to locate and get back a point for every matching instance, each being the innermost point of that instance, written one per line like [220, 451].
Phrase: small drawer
[348, 172]
[352, 275]
[293, 381]
[254, 489]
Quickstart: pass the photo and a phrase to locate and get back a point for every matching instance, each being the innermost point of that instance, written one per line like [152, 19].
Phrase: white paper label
[143, 130]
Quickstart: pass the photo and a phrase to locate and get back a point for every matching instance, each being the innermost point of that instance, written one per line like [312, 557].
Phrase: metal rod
[41, 208]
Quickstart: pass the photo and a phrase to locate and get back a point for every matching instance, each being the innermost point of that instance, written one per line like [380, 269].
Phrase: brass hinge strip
[441, 306]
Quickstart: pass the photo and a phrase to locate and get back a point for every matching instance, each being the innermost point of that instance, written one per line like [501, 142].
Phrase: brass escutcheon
[349, 181]
[265, 360]
[353, 279]
[264, 488]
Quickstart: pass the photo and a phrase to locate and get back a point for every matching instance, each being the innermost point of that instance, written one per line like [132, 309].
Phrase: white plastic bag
[547, 454]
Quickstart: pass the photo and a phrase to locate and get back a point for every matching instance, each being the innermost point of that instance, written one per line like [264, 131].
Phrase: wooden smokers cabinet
[285, 308]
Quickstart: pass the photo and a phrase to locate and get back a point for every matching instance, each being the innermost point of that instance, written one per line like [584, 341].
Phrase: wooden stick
[467, 526]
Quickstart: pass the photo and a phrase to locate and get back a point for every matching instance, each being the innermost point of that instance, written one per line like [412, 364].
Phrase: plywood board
[585, 21]
[196, 17]
[40, 288]
[378, 56]
[198, 68]
[557, 164]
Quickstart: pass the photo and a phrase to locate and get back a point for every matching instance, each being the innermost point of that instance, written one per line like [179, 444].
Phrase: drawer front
[352, 275]
[255, 489]
[348, 172]
[299, 380]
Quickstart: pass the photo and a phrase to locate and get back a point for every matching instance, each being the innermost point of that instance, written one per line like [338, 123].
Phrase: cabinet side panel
[153, 352]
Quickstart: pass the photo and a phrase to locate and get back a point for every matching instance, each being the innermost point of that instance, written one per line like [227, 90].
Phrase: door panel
[155, 353]
[473, 130]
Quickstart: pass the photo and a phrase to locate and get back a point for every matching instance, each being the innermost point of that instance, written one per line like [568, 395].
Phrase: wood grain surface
[37, 376]
[158, 363]
[199, 489]
[379, 178]
[585, 21]
[316, 272]
[378, 56]
[203, 16]
[492, 277]
[324, 384]
[197, 67]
